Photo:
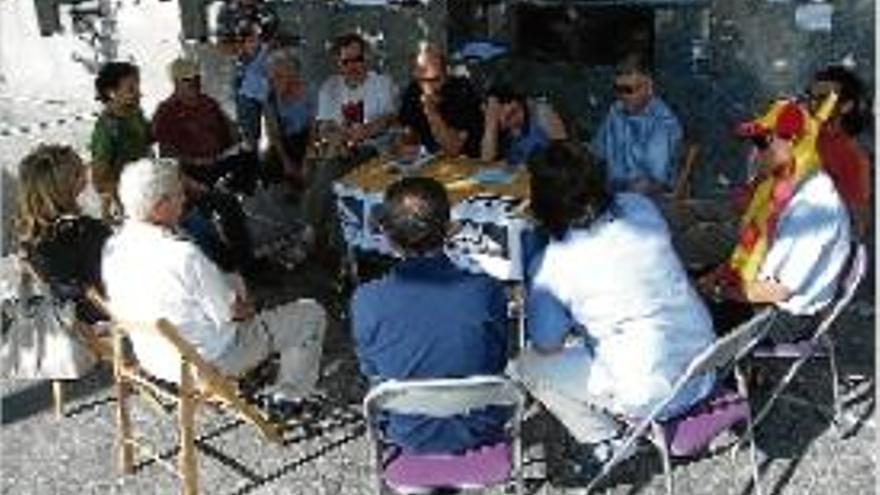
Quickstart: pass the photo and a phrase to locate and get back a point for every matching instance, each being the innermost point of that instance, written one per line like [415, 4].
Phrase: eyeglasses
[359, 59]
[434, 79]
[625, 89]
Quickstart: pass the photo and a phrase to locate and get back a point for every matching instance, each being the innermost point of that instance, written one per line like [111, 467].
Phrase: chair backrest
[846, 289]
[443, 397]
[211, 382]
[731, 347]
[721, 355]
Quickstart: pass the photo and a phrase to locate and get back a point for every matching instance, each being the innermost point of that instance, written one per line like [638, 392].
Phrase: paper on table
[492, 176]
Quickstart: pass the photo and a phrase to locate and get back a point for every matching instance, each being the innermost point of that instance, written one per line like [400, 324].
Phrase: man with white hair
[151, 272]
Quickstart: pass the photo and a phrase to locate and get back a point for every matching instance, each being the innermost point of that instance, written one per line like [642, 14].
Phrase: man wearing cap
[191, 127]
[794, 237]
[640, 135]
[429, 319]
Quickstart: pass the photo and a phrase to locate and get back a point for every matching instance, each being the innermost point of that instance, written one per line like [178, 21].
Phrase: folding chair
[445, 398]
[200, 383]
[819, 345]
[689, 433]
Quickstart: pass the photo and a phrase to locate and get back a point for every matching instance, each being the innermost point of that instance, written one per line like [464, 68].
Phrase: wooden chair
[683, 188]
[201, 383]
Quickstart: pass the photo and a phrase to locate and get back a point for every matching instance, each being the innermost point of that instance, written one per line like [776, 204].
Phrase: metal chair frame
[722, 356]
[443, 398]
[820, 345]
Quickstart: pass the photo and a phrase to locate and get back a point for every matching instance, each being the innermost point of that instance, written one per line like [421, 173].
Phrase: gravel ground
[799, 453]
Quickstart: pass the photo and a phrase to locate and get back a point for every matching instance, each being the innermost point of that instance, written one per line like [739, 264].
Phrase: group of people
[607, 273]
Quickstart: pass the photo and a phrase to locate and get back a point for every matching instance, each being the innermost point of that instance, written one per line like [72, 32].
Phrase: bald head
[429, 68]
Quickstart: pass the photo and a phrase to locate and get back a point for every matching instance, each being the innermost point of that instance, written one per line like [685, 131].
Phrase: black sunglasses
[351, 60]
[625, 89]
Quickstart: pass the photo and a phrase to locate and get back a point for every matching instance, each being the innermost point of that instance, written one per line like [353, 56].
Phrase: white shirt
[377, 92]
[811, 246]
[150, 273]
[621, 280]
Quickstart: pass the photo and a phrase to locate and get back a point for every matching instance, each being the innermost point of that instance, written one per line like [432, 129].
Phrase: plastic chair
[689, 433]
[443, 398]
[819, 345]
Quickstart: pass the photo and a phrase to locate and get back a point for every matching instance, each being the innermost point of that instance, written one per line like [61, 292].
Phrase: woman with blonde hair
[60, 242]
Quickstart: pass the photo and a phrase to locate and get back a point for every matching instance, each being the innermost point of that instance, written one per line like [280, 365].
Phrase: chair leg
[750, 431]
[124, 433]
[187, 461]
[663, 447]
[58, 398]
[835, 385]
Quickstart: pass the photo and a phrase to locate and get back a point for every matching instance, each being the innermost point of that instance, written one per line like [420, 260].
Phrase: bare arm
[489, 143]
[450, 139]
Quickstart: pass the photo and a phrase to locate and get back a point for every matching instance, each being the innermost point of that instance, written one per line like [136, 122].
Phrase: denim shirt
[528, 143]
[643, 145]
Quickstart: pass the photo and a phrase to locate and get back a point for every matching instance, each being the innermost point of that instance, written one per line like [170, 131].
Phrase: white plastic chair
[445, 398]
[819, 345]
[722, 356]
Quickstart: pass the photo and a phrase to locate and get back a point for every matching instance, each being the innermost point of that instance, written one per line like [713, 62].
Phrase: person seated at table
[121, 134]
[429, 319]
[151, 272]
[357, 102]
[794, 237]
[842, 157]
[289, 117]
[516, 127]
[610, 276]
[190, 127]
[443, 110]
[640, 136]
[61, 243]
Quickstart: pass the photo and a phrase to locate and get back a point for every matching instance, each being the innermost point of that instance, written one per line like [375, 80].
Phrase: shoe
[283, 410]
[589, 459]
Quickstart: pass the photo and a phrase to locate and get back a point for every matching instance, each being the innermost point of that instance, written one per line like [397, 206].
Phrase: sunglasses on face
[351, 60]
[625, 89]
[762, 142]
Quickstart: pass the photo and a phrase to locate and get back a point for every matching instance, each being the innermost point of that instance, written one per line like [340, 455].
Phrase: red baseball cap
[786, 120]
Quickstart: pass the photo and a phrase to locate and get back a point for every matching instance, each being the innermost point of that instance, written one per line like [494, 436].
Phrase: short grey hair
[282, 56]
[146, 182]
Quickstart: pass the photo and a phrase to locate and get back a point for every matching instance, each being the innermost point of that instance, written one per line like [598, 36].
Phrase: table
[486, 210]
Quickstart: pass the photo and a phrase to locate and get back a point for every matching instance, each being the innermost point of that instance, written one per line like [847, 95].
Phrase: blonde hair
[49, 182]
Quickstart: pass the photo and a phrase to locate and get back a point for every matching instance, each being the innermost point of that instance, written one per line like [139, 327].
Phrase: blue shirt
[529, 142]
[429, 319]
[293, 116]
[638, 146]
[253, 76]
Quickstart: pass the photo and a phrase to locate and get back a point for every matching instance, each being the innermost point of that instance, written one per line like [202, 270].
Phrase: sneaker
[589, 459]
[283, 410]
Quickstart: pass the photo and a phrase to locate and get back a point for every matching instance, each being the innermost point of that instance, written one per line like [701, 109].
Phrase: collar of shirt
[424, 264]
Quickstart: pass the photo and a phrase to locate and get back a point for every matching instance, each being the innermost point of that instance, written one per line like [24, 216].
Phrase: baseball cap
[182, 68]
[785, 119]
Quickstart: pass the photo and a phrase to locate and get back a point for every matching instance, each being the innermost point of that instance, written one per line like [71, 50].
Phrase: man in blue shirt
[429, 319]
[639, 137]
